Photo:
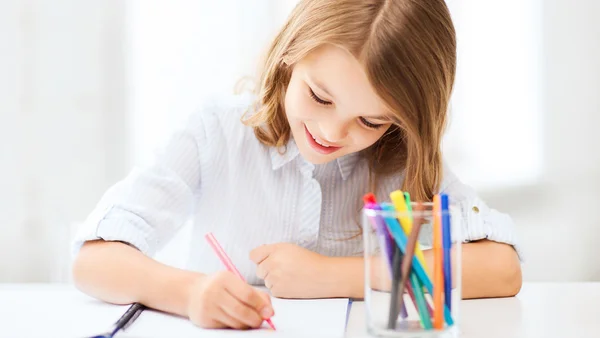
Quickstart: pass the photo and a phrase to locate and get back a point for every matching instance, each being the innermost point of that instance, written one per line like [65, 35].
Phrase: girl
[353, 96]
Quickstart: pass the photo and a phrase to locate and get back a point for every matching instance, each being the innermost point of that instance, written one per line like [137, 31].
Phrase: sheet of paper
[61, 311]
[293, 318]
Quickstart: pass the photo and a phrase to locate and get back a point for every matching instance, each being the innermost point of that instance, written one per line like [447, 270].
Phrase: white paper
[301, 318]
[61, 311]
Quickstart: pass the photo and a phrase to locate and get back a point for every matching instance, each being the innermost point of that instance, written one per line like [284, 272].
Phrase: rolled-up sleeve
[147, 207]
[479, 221]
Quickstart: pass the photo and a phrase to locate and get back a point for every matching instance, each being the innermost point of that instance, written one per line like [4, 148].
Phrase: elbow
[79, 268]
[491, 270]
[82, 269]
[509, 272]
[99, 270]
[513, 279]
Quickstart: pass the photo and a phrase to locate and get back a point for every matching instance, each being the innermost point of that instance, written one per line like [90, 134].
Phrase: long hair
[408, 50]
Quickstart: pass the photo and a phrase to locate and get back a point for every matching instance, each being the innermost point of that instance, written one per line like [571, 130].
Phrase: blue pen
[447, 244]
[401, 240]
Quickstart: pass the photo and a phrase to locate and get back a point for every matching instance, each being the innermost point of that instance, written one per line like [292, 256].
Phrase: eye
[369, 124]
[318, 99]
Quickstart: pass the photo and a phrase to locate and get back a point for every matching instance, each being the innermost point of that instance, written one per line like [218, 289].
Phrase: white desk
[540, 310]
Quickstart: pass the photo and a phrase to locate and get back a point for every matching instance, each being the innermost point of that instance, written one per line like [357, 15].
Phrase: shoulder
[452, 185]
[221, 132]
[222, 113]
[218, 120]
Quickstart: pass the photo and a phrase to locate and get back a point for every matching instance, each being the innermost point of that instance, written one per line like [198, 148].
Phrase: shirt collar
[347, 163]
[284, 155]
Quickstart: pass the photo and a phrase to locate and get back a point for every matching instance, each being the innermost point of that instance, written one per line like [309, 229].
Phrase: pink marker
[228, 263]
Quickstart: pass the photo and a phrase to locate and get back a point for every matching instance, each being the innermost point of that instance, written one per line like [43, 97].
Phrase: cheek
[366, 138]
[297, 104]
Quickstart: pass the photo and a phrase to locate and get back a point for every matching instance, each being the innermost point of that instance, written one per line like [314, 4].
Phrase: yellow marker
[406, 221]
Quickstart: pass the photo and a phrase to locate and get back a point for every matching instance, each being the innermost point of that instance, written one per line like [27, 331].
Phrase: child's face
[331, 107]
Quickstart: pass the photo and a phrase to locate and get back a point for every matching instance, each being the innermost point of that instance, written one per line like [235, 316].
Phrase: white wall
[62, 126]
[497, 88]
[559, 220]
[68, 92]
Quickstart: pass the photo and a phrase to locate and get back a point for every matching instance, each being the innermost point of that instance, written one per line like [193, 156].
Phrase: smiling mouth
[319, 146]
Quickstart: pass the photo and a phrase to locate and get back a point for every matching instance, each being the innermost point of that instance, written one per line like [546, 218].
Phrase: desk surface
[540, 310]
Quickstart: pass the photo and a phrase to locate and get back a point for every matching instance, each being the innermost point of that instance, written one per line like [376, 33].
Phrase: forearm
[117, 273]
[345, 277]
[489, 269]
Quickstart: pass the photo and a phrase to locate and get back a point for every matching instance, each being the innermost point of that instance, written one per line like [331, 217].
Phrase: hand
[290, 271]
[223, 300]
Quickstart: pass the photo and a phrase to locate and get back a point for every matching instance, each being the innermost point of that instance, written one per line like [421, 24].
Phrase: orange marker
[438, 261]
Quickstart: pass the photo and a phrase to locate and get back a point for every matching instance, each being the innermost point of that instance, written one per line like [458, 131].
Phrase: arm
[118, 273]
[490, 264]
[144, 210]
[489, 269]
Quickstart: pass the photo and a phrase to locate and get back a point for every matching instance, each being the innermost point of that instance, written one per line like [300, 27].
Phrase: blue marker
[447, 244]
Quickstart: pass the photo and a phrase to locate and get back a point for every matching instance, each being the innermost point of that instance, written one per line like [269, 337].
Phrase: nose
[334, 130]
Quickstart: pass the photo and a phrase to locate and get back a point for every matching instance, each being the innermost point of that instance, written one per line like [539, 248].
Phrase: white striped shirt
[215, 171]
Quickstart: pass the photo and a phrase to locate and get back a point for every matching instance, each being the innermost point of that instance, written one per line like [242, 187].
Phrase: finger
[259, 254]
[249, 296]
[262, 270]
[239, 311]
[244, 292]
[270, 280]
[227, 320]
[268, 284]
[266, 297]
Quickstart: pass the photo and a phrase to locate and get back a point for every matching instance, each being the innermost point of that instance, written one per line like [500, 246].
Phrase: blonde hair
[408, 50]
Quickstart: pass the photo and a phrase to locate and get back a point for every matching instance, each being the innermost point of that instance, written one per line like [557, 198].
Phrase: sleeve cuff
[480, 222]
[110, 225]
